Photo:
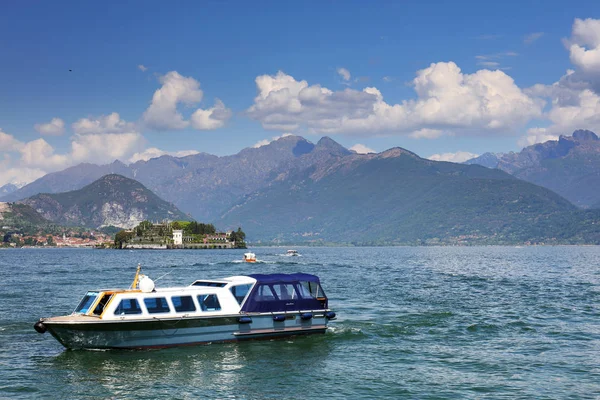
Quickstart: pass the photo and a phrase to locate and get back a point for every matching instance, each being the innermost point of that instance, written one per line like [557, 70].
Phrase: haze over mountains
[294, 190]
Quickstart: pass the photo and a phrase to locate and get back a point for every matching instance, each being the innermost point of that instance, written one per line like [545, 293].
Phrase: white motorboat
[222, 310]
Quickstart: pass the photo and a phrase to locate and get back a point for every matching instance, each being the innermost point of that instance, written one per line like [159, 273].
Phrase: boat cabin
[233, 295]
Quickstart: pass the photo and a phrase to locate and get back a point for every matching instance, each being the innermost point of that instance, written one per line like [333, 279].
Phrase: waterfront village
[147, 235]
[67, 239]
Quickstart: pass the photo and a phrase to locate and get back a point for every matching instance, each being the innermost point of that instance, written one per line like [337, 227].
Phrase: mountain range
[297, 191]
[569, 166]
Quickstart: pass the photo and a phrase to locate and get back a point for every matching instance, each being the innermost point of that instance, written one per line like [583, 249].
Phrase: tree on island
[121, 238]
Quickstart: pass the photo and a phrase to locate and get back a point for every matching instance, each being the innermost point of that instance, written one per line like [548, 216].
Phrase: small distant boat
[229, 309]
[292, 252]
[249, 257]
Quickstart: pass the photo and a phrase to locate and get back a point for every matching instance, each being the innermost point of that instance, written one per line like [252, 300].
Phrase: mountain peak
[328, 144]
[584, 134]
[111, 200]
[396, 152]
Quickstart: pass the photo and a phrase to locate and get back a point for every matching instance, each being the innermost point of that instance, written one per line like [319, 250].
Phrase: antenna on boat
[137, 277]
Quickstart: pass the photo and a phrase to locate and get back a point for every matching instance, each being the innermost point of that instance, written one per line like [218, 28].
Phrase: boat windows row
[160, 305]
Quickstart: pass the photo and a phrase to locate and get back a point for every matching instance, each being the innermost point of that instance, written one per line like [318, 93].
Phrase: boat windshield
[86, 302]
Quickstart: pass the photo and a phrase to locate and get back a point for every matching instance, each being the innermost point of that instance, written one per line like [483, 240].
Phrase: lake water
[415, 323]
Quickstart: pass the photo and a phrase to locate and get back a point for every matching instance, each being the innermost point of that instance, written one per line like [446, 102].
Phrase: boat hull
[160, 333]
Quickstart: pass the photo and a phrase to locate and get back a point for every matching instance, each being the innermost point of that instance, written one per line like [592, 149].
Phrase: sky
[131, 80]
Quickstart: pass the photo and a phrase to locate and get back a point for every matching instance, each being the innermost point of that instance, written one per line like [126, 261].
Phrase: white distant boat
[249, 257]
[292, 253]
[223, 310]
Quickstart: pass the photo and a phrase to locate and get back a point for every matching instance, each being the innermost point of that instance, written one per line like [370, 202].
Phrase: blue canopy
[285, 278]
[285, 292]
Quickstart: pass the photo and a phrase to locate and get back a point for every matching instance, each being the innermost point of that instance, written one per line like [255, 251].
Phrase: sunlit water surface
[417, 323]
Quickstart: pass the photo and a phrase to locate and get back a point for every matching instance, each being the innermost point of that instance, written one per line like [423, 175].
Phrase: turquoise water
[415, 323]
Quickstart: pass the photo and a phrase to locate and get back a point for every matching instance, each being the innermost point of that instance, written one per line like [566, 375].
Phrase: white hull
[157, 333]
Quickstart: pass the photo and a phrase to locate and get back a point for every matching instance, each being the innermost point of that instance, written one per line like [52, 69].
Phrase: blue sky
[95, 81]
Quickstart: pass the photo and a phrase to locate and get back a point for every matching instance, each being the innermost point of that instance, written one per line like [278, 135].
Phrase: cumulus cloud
[19, 175]
[458, 157]
[584, 45]
[36, 158]
[111, 123]
[344, 73]
[153, 152]
[8, 143]
[265, 142]
[575, 97]
[55, 127]
[162, 114]
[105, 148]
[532, 37]
[142, 68]
[211, 118]
[536, 135]
[485, 101]
[362, 149]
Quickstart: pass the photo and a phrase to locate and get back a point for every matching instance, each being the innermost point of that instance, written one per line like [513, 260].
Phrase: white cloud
[426, 133]
[153, 152]
[142, 68]
[362, 149]
[489, 64]
[387, 79]
[532, 37]
[585, 45]
[9, 143]
[212, 118]
[111, 123]
[536, 135]
[485, 101]
[40, 154]
[265, 142]
[38, 157]
[344, 73]
[55, 127]
[105, 148]
[458, 157]
[19, 175]
[162, 114]
[575, 97]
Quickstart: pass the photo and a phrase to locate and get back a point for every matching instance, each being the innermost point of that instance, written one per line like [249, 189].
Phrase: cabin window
[285, 291]
[264, 293]
[156, 305]
[209, 302]
[240, 292]
[183, 303]
[86, 302]
[310, 289]
[128, 307]
[101, 304]
[207, 283]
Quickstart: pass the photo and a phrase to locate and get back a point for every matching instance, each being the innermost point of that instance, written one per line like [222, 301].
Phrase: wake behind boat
[223, 310]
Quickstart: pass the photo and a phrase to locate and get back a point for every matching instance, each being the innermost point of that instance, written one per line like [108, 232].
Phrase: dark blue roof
[284, 278]
[264, 296]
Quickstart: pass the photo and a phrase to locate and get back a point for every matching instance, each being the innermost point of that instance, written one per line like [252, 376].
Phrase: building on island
[177, 237]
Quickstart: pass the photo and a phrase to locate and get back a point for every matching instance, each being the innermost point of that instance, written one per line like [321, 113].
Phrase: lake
[413, 322]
